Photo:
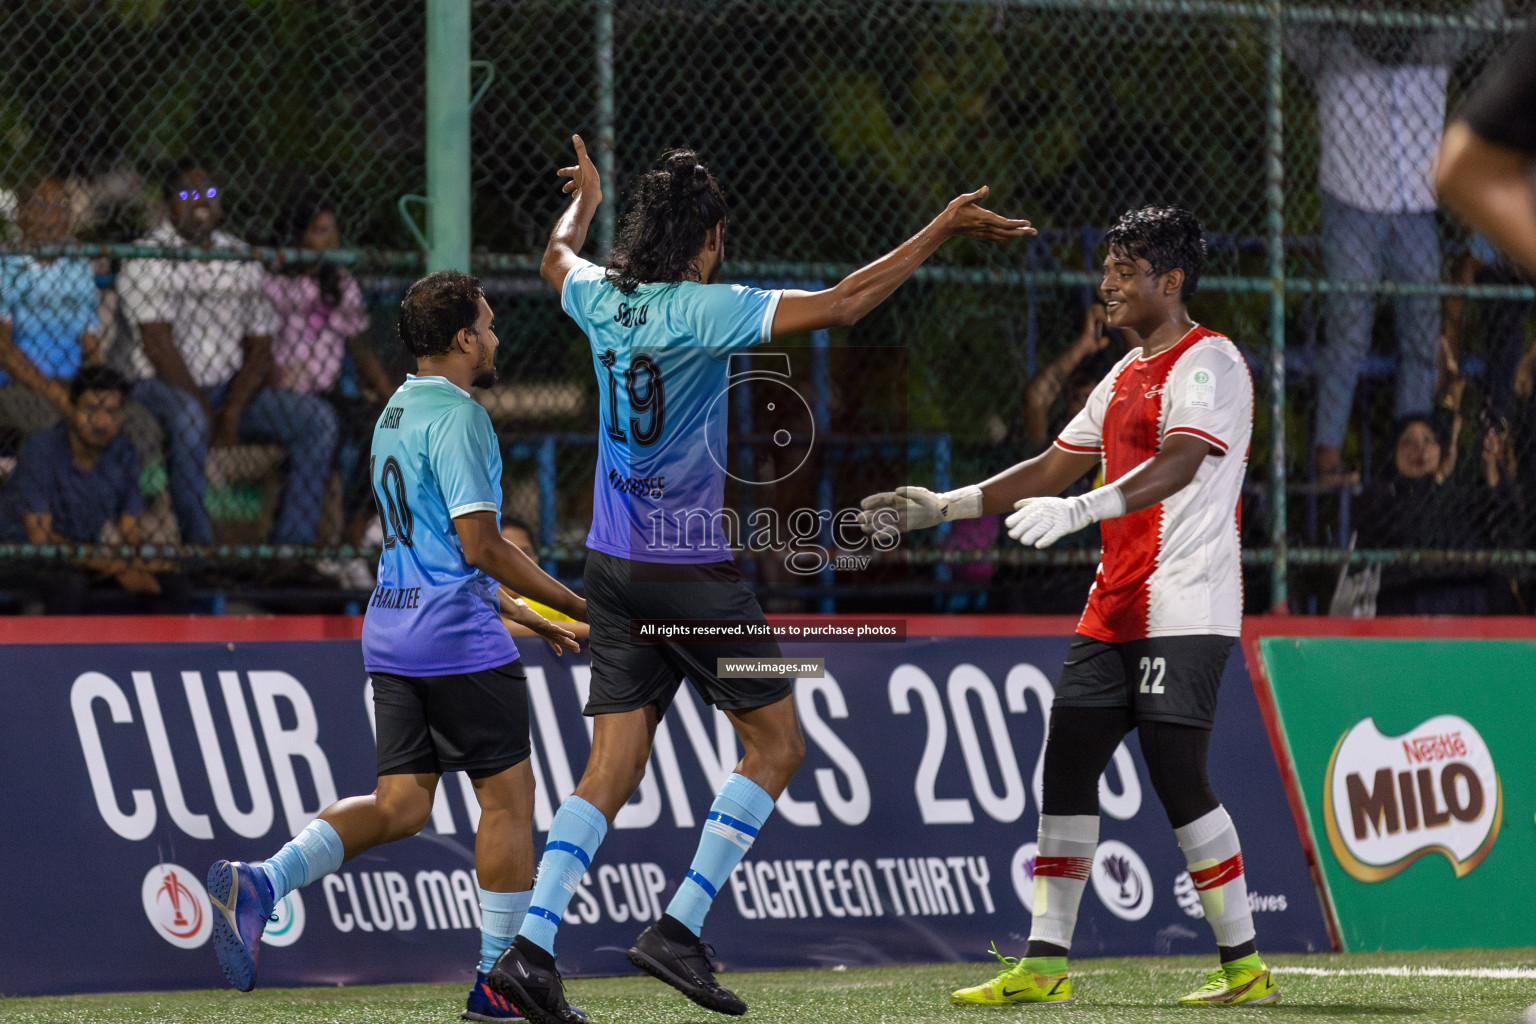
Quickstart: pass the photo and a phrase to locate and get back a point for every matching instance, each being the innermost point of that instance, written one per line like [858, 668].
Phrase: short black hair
[1167, 237]
[1402, 423]
[171, 173]
[672, 207]
[512, 519]
[436, 308]
[97, 378]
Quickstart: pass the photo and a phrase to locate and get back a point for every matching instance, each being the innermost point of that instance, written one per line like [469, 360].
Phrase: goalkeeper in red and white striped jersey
[1170, 425]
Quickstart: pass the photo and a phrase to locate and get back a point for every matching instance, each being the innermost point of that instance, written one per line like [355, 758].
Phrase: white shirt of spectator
[1380, 134]
[1174, 569]
[1380, 124]
[211, 306]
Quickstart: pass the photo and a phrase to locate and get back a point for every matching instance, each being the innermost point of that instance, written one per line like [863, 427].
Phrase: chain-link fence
[1300, 136]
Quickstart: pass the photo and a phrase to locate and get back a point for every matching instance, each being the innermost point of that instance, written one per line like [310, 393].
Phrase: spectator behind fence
[50, 320]
[1074, 374]
[73, 481]
[206, 328]
[321, 322]
[1381, 110]
[1421, 504]
[1052, 398]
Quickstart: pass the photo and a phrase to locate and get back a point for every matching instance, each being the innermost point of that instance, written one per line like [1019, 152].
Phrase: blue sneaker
[243, 898]
[485, 1004]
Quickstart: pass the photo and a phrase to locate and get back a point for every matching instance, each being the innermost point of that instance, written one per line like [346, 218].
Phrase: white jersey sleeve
[1210, 396]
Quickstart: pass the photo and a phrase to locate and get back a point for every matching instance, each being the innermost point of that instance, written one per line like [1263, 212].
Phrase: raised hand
[584, 183]
[963, 216]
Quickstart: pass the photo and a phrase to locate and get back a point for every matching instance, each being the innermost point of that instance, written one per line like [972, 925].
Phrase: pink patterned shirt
[312, 339]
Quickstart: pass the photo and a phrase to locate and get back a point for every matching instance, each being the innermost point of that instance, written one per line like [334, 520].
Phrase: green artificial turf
[1122, 991]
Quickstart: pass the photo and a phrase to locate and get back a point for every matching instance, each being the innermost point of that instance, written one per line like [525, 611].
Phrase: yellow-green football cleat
[1241, 981]
[1041, 980]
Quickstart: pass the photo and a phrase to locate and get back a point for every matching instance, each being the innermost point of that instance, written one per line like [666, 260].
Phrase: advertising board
[1413, 765]
[907, 836]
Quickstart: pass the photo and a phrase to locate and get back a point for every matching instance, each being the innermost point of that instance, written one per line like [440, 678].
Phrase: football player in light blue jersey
[448, 689]
[661, 336]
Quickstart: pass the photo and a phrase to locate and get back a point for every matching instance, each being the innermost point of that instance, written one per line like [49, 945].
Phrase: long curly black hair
[672, 207]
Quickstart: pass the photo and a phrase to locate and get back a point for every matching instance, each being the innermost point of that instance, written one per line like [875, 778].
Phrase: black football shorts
[629, 674]
[474, 722]
[1159, 679]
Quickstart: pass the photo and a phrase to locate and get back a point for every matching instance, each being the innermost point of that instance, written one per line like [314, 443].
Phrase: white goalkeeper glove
[1041, 522]
[917, 508]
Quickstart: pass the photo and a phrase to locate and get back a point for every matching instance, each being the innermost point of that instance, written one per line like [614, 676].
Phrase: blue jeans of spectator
[304, 424]
[1360, 246]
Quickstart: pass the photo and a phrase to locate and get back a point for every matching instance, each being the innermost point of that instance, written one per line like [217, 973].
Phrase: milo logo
[1389, 800]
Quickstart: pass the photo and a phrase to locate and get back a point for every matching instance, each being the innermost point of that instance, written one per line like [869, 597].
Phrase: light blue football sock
[734, 818]
[501, 915]
[574, 836]
[311, 855]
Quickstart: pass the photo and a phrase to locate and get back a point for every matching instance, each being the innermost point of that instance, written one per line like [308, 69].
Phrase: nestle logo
[1389, 800]
[1434, 748]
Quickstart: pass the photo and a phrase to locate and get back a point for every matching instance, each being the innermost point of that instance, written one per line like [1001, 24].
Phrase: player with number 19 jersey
[662, 356]
[434, 457]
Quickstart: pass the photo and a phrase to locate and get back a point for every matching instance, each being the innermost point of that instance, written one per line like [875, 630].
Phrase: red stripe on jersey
[1202, 435]
[1077, 448]
[1216, 874]
[1119, 605]
[1063, 867]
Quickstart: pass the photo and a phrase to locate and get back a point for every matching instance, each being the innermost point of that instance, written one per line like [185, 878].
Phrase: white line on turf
[1413, 972]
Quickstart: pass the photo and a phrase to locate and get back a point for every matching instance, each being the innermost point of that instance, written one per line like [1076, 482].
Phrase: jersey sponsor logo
[177, 905]
[1389, 800]
[645, 486]
[1201, 390]
[1121, 880]
[390, 598]
[287, 923]
[1154, 392]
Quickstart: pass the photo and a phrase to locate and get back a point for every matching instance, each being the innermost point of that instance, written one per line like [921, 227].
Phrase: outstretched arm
[864, 289]
[1041, 522]
[563, 252]
[917, 508]
[1042, 519]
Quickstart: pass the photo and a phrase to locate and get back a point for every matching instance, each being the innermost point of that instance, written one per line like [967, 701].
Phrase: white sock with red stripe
[1216, 864]
[1063, 861]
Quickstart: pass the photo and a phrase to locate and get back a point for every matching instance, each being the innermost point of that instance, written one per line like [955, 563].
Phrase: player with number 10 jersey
[449, 693]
